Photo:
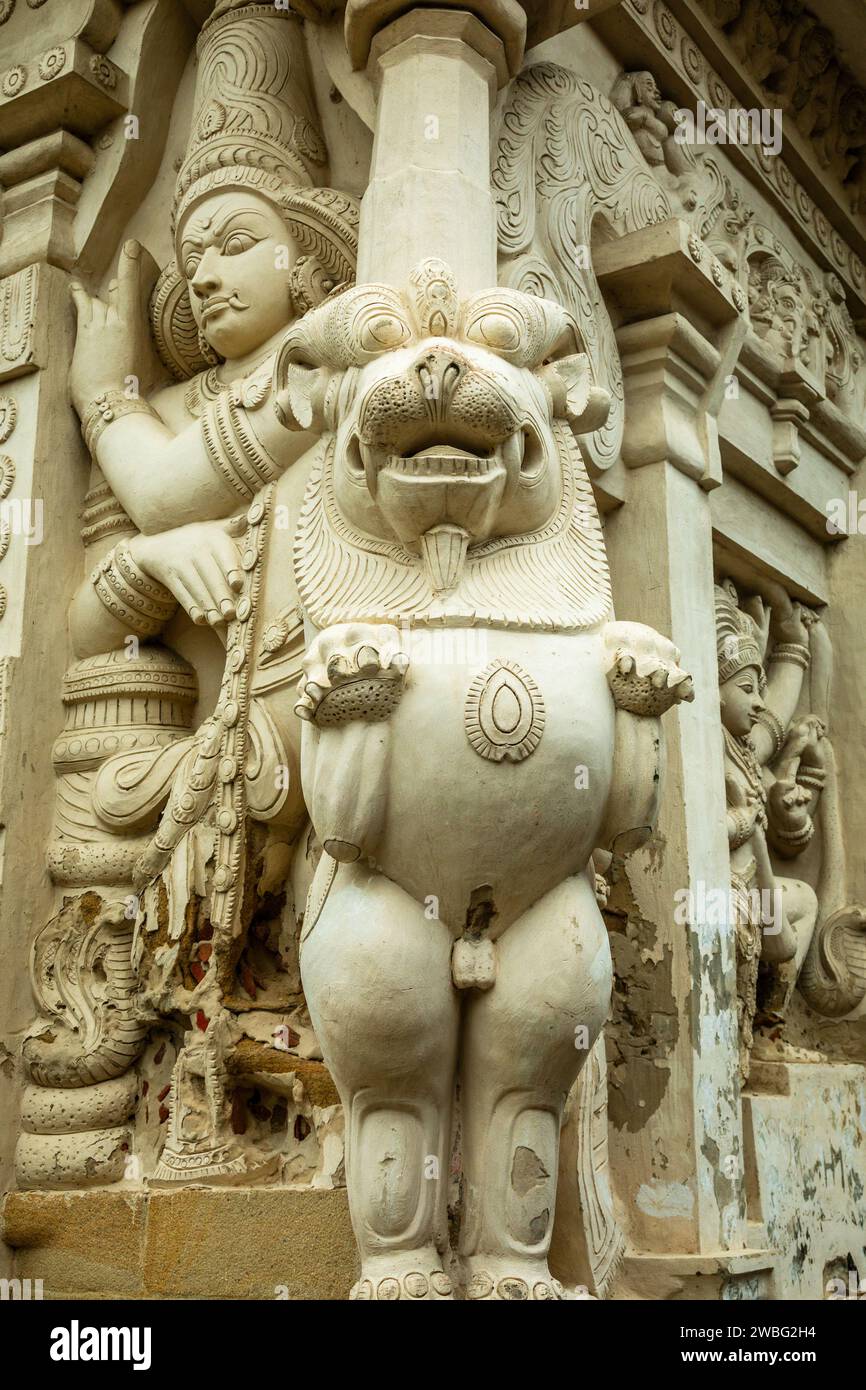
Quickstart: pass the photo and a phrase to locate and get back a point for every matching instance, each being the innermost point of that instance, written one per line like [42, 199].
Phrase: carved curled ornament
[504, 713]
[103, 71]
[7, 475]
[8, 417]
[13, 80]
[17, 303]
[52, 63]
[709, 87]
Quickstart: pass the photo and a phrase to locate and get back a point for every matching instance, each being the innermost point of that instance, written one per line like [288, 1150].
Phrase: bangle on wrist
[141, 603]
[795, 652]
[812, 777]
[796, 837]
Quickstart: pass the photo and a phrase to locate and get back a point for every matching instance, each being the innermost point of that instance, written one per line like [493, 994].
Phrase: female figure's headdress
[738, 641]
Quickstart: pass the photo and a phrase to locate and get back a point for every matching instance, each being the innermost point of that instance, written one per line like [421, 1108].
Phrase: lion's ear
[583, 404]
[299, 389]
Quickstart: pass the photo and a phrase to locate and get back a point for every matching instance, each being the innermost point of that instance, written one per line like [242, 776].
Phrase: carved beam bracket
[683, 325]
[799, 408]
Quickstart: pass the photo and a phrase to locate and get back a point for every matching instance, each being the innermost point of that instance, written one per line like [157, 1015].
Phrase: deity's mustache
[216, 302]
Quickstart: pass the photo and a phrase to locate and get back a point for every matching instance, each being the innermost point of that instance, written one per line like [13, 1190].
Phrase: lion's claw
[352, 671]
[642, 669]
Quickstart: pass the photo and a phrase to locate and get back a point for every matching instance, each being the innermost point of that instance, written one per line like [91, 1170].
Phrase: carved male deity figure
[256, 245]
[774, 776]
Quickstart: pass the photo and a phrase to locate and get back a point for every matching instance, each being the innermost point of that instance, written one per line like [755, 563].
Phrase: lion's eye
[496, 331]
[383, 332]
[190, 266]
[238, 242]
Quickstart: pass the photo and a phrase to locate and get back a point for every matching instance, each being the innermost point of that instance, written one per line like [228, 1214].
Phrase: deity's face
[236, 254]
[741, 701]
[646, 91]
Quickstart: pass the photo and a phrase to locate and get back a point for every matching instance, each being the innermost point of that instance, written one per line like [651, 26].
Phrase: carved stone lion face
[442, 410]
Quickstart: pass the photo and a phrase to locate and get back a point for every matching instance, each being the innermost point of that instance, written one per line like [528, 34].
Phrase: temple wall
[696, 382]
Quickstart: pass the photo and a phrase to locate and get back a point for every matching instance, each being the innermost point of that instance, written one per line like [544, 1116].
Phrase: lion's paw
[352, 671]
[642, 669]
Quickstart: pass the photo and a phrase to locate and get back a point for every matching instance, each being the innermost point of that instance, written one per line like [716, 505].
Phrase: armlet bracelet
[232, 448]
[773, 724]
[811, 778]
[796, 837]
[104, 409]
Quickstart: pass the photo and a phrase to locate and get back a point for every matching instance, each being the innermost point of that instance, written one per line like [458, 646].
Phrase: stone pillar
[437, 72]
[676, 1138]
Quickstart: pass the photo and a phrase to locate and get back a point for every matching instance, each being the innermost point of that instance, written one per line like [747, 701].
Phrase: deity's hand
[789, 625]
[112, 341]
[200, 564]
[813, 754]
[799, 736]
[787, 804]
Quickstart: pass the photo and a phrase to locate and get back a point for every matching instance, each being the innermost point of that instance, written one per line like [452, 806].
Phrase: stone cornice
[827, 231]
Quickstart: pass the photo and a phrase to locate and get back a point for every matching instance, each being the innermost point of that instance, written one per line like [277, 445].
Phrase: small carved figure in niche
[722, 12]
[704, 195]
[842, 133]
[652, 122]
[774, 775]
[843, 362]
[807, 51]
[856, 186]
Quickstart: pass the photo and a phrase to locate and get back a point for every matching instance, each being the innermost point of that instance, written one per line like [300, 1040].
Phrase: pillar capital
[505, 19]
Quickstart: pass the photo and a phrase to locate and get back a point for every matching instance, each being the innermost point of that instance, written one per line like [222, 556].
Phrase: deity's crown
[737, 642]
[254, 126]
[254, 122]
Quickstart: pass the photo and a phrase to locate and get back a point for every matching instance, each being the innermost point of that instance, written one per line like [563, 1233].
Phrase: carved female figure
[774, 775]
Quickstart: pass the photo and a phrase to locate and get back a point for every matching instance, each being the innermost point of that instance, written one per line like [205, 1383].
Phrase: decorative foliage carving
[565, 167]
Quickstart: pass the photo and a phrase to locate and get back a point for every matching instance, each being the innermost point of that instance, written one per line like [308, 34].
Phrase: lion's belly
[500, 768]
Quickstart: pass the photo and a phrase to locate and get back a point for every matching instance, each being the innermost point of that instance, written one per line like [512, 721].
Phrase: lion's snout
[440, 399]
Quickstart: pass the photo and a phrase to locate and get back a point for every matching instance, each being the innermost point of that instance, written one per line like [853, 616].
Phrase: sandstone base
[244, 1243]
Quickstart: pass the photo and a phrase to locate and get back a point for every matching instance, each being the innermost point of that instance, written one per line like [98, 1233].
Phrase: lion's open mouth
[442, 461]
